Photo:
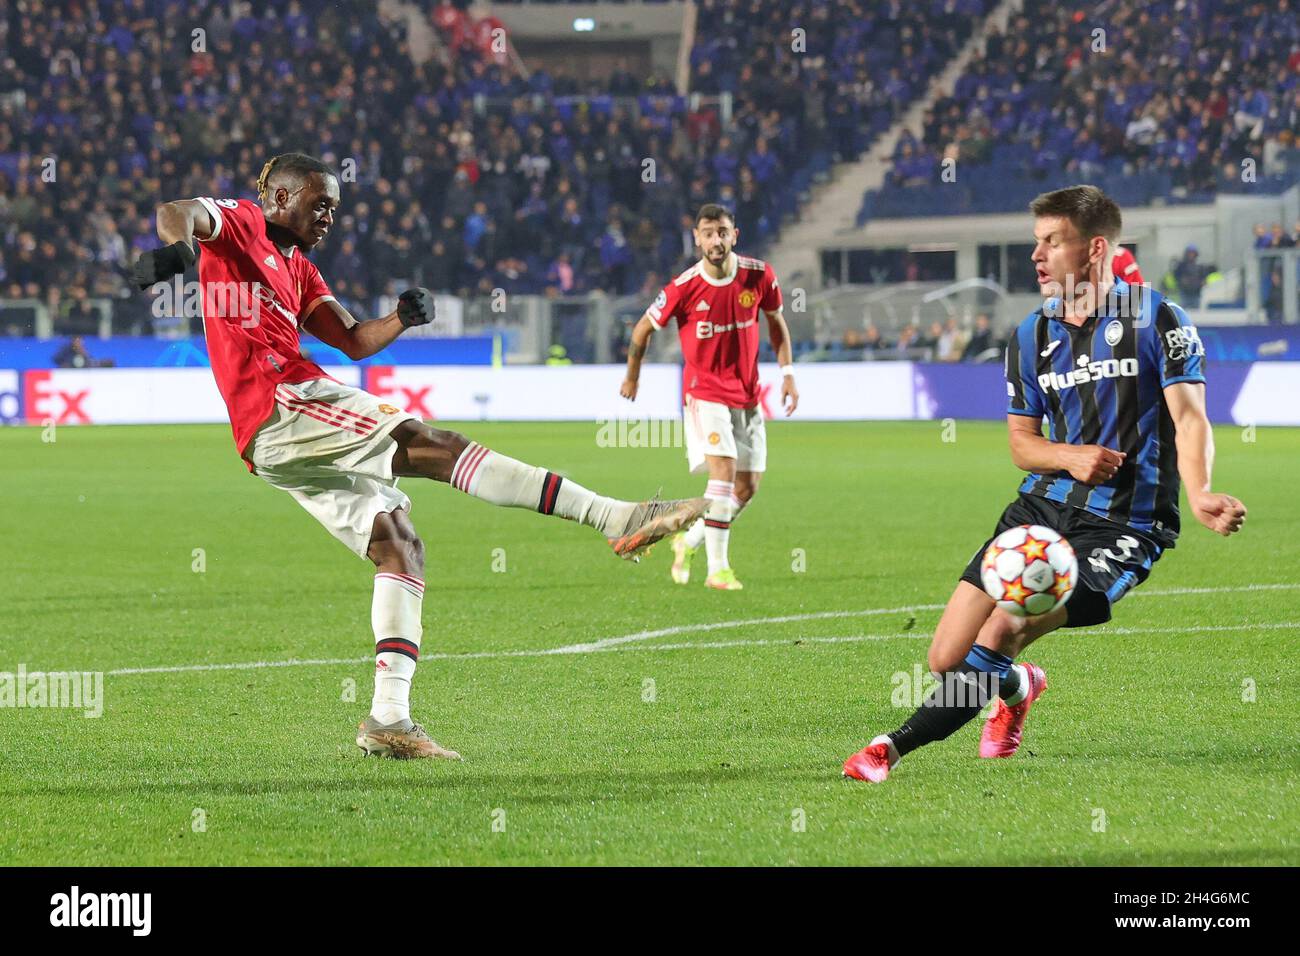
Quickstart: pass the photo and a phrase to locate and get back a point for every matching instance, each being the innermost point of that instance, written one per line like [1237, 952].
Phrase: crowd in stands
[1151, 100]
[950, 341]
[467, 175]
[953, 340]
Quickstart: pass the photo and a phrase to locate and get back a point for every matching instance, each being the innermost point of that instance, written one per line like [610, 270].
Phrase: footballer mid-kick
[339, 450]
[716, 303]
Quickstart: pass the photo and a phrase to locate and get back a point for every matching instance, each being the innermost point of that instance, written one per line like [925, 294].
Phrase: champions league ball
[1029, 570]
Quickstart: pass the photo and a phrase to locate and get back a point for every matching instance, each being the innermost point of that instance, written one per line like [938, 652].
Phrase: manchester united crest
[748, 298]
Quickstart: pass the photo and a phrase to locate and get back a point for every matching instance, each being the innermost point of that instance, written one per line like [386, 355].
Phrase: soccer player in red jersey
[1124, 266]
[338, 450]
[716, 303]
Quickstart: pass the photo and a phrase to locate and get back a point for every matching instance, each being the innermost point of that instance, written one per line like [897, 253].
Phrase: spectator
[1190, 275]
[872, 340]
[1273, 306]
[615, 255]
[443, 271]
[981, 339]
[930, 339]
[81, 318]
[561, 275]
[74, 355]
[908, 340]
[951, 342]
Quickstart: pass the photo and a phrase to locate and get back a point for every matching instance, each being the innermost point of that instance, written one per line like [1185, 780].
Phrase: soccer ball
[1029, 570]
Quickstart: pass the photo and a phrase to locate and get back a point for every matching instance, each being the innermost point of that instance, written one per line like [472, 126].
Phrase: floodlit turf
[716, 738]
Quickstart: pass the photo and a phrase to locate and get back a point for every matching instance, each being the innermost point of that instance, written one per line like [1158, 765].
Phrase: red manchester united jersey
[254, 299]
[717, 320]
[1125, 267]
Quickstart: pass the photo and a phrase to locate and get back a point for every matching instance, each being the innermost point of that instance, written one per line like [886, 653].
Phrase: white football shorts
[715, 429]
[329, 445]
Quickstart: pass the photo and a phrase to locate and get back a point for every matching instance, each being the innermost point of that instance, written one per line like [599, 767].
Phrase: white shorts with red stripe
[329, 445]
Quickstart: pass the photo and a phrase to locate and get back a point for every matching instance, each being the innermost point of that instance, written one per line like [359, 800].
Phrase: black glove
[415, 307]
[158, 265]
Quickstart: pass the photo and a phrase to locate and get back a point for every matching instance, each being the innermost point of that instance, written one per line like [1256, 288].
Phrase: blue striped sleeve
[1182, 355]
[1024, 397]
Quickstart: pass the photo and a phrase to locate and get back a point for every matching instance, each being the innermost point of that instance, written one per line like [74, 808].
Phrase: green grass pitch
[1167, 737]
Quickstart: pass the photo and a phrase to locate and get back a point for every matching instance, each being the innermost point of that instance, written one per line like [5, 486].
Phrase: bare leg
[426, 452]
[395, 614]
[971, 654]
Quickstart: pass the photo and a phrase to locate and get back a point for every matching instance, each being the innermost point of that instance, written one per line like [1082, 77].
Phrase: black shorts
[1113, 558]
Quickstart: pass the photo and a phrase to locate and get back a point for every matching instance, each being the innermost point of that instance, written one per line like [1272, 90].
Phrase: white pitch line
[247, 666]
[590, 648]
[858, 638]
[720, 625]
[682, 646]
[1201, 628]
[639, 636]
[821, 615]
[1226, 589]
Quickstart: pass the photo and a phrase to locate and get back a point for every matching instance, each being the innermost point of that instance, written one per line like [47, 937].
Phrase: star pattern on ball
[1062, 586]
[1015, 592]
[1033, 548]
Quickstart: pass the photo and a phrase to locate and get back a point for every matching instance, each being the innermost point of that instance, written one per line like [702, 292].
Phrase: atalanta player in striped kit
[1118, 372]
[338, 450]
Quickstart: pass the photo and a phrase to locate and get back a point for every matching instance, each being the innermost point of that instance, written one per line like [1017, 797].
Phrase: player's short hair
[713, 210]
[1091, 210]
[298, 165]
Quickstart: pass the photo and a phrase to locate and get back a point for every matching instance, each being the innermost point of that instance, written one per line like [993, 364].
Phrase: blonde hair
[297, 163]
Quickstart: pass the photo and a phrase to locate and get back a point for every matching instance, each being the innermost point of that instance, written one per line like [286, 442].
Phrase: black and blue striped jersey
[1102, 383]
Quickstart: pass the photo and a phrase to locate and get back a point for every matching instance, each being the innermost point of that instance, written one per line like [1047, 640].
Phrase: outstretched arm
[335, 325]
[1194, 439]
[641, 333]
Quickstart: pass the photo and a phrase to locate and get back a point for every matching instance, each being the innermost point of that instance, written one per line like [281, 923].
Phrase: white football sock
[501, 480]
[695, 534]
[717, 523]
[395, 617]
[1023, 691]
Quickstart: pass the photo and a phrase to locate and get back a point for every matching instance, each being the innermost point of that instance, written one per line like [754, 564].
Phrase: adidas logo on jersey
[270, 261]
[702, 307]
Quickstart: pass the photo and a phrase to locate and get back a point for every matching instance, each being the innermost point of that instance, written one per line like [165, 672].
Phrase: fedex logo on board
[414, 399]
[44, 401]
